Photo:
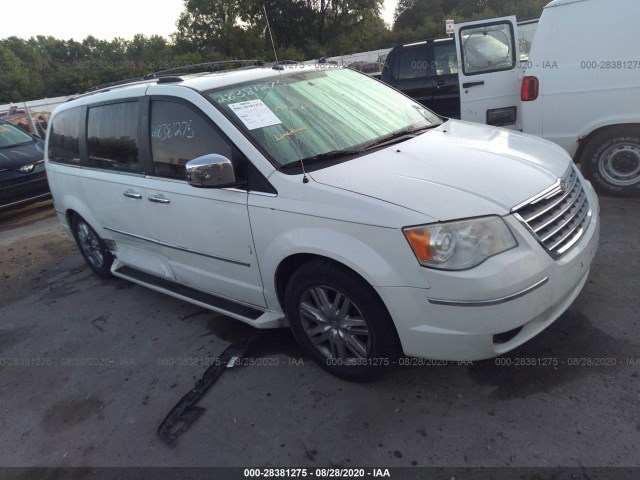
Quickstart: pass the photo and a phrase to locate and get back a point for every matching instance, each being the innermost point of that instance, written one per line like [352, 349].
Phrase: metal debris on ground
[186, 412]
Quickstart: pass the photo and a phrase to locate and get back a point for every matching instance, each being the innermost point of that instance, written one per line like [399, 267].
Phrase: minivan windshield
[313, 114]
[11, 136]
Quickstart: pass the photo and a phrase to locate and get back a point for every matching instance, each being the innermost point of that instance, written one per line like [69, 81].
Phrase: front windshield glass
[303, 114]
[11, 136]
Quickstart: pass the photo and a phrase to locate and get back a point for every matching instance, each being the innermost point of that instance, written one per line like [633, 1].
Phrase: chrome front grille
[559, 216]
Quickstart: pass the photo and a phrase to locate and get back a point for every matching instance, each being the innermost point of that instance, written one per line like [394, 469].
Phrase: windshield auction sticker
[254, 114]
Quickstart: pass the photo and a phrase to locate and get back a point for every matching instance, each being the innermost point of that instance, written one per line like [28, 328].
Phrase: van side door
[112, 183]
[489, 73]
[205, 232]
[444, 67]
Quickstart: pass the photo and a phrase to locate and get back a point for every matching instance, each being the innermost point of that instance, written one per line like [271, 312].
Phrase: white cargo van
[579, 87]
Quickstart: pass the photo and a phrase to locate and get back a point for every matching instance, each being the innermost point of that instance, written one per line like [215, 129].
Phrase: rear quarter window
[412, 63]
[64, 138]
[445, 59]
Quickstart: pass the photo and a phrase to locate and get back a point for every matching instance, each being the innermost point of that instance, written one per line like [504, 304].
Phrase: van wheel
[339, 321]
[611, 161]
[92, 247]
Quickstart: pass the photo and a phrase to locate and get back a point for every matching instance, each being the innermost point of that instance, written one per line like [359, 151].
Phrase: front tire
[611, 161]
[92, 247]
[338, 319]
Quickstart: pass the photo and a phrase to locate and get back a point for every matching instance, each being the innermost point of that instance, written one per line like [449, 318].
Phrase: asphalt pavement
[90, 367]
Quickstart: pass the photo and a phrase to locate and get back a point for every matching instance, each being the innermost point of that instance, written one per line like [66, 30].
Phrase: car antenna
[305, 179]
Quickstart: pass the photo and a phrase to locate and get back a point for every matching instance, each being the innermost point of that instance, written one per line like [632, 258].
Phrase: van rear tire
[93, 249]
[611, 161]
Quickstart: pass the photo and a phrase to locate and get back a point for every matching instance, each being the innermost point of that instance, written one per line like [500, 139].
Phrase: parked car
[319, 198]
[23, 179]
[427, 71]
[579, 88]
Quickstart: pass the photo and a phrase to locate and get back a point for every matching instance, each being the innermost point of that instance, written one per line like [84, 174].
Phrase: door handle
[130, 194]
[472, 84]
[159, 199]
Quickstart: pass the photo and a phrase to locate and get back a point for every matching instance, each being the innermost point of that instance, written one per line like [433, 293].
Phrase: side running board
[206, 300]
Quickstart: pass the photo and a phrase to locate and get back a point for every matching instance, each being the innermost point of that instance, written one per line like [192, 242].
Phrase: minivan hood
[22, 154]
[456, 170]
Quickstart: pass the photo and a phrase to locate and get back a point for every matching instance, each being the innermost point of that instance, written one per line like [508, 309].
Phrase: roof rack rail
[172, 74]
[169, 75]
[206, 65]
[117, 83]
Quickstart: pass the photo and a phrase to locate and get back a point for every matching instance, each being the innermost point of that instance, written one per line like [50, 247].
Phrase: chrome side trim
[495, 301]
[95, 169]
[177, 247]
[262, 194]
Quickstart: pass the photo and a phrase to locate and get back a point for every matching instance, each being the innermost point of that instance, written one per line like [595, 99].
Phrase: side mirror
[211, 170]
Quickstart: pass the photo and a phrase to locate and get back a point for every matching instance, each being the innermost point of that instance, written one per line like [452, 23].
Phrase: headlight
[459, 245]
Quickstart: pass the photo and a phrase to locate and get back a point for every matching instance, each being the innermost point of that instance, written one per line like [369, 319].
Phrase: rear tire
[92, 247]
[611, 161]
[338, 319]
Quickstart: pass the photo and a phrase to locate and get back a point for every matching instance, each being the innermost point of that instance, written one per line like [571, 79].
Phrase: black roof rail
[206, 66]
[117, 83]
[172, 74]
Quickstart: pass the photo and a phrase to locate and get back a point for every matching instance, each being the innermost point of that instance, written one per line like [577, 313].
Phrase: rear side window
[412, 63]
[64, 137]
[445, 59]
[112, 132]
[179, 133]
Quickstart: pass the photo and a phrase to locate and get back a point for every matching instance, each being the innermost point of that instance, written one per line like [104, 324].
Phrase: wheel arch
[290, 264]
[586, 139]
[74, 206]
[287, 267]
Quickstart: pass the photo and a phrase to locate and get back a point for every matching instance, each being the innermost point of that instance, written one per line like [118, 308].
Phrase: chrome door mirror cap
[211, 170]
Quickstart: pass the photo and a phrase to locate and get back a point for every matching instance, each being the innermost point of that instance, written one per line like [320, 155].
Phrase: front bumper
[513, 296]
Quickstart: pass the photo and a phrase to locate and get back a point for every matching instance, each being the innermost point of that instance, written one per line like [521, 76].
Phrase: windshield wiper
[321, 156]
[396, 136]
[387, 139]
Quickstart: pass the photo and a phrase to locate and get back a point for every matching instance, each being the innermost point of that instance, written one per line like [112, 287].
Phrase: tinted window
[179, 133]
[112, 131]
[445, 59]
[412, 63]
[63, 139]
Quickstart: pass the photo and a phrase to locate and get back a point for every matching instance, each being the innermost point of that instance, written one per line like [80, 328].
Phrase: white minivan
[577, 83]
[322, 199]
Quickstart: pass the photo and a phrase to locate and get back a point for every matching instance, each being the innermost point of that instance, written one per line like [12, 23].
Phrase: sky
[77, 19]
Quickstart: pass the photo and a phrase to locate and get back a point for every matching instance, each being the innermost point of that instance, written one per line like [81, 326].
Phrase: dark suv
[427, 71]
[22, 175]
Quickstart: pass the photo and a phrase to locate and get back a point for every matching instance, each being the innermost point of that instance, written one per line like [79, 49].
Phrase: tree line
[211, 30]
